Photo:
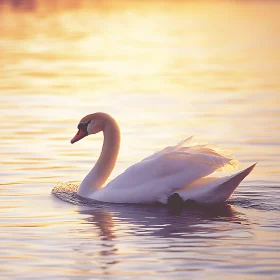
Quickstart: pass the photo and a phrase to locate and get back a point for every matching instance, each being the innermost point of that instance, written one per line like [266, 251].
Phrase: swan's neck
[106, 162]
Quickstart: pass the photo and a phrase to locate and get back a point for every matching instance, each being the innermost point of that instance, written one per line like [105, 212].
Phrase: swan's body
[181, 169]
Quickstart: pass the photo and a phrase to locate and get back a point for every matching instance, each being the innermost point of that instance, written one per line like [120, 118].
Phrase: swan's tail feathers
[226, 189]
[214, 190]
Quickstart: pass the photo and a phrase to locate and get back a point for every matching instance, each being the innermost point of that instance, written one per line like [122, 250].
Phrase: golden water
[165, 70]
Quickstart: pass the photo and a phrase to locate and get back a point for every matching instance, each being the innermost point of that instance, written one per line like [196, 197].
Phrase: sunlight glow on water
[164, 70]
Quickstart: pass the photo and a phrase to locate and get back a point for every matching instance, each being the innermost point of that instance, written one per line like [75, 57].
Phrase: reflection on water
[161, 221]
[165, 70]
[185, 233]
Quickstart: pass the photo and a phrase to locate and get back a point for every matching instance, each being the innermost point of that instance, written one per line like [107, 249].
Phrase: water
[165, 71]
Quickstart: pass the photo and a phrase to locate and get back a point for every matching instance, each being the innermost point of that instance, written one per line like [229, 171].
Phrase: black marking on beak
[82, 132]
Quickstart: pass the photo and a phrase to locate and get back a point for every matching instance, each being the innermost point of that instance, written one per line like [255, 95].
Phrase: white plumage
[182, 169]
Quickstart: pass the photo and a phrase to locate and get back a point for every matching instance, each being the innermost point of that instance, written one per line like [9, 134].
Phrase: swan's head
[90, 124]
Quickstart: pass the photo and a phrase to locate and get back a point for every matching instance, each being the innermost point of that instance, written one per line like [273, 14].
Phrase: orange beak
[80, 134]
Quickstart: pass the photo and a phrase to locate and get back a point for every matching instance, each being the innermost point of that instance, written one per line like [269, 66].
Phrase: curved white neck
[106, 162]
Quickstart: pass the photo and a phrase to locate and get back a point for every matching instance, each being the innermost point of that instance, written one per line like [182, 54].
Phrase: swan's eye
[83, 125]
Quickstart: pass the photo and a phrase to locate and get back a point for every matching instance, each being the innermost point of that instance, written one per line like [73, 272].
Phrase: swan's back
[155, 178]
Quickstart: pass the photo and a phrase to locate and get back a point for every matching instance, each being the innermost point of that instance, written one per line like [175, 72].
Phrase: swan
[176, 171]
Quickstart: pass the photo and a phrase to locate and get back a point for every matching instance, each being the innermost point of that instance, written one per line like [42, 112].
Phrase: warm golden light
[165, 70]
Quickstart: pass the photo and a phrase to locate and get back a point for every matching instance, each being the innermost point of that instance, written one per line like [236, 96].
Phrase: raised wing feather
[189, 145]
[185, 142]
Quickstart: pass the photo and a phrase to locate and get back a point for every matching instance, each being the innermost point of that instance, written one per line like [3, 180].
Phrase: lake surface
[165, 70]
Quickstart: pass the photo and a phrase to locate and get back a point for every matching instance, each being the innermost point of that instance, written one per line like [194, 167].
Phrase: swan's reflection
[157, 221]
[142, 229]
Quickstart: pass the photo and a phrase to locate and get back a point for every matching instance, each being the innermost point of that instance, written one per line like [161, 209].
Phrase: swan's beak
[80, 134]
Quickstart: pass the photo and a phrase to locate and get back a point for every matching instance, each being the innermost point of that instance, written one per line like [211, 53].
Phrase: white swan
[176, 169]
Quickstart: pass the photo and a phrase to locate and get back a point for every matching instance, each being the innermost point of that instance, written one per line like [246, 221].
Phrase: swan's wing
[155, 179]
[186, 142]
[213, 190]
[188, 145]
